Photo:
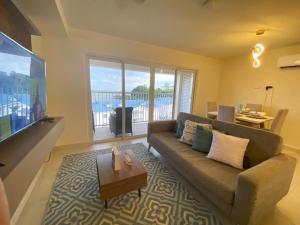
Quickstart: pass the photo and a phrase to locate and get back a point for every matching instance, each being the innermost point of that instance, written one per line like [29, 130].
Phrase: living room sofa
[244, 195]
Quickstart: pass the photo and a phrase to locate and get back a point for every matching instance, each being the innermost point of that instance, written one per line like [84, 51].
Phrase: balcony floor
[103, 132]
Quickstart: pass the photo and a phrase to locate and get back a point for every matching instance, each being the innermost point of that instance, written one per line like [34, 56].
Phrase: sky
[110, 79]
[19, 64]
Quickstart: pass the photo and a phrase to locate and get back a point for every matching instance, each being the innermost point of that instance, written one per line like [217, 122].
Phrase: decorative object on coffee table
[128, 178]
[127, 159]
[116, 164]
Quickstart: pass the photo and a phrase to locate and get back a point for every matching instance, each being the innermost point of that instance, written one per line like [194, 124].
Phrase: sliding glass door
[137, 86]
[164, 93]
[126, 96]
[106, 98]
[173, 92]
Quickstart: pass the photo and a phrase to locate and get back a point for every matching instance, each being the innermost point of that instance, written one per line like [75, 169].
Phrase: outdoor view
[106, 86]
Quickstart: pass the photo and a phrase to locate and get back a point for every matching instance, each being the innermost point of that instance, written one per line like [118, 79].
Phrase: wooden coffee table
[128, 178]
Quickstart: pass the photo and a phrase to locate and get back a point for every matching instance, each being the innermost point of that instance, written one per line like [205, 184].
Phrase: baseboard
[87, 144]
[16, 215]
[119, 139]
[291, 147]
[68, 146]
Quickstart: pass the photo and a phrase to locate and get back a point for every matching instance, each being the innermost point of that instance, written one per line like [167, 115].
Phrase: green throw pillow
[180, 128]
[202, 140]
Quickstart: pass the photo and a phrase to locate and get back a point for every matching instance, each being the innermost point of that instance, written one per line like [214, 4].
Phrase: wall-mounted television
[22, 88]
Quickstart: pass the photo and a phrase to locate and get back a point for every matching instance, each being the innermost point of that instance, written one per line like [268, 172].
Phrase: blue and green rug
[166, 200]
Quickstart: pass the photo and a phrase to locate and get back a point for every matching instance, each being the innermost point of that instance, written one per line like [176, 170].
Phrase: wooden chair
[211, 107]
[278, 121]
[226, 113]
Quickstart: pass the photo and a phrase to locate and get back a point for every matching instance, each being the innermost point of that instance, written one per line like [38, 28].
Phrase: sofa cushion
[179, 128]
[182, 117]
[190, 131]
[228, 149]
[217, 177]
[202, 140]
[262, 145]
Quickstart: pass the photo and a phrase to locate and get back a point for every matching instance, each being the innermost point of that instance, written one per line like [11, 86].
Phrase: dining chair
[4, 211]
[226, 113]
[254, 107]
[278, 121]
[211, 107]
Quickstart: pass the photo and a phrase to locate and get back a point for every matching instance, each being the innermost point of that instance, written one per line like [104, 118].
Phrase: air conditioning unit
[289, 61]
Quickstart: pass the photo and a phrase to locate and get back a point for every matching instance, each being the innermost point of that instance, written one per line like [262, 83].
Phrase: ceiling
[220, 28]
[43, 14]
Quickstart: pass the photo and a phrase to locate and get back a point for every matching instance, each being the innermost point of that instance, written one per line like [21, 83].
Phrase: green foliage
[140, 89]
[167, 89]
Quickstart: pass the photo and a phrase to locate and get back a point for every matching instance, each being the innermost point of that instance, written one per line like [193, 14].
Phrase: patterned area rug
[165, 200]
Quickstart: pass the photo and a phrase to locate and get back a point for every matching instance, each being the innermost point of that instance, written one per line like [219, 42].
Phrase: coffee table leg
[140, 193]
[106, 204]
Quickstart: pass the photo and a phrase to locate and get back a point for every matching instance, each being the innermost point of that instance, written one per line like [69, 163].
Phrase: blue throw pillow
[202, 140]
[180, 128]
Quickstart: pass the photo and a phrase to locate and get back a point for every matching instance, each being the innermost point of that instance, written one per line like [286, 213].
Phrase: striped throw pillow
[190, 131]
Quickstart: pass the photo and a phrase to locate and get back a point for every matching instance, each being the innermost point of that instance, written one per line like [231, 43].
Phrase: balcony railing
[15, 101]
[104, 103]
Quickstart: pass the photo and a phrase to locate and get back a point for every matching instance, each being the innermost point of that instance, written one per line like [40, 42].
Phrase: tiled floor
[286, 212]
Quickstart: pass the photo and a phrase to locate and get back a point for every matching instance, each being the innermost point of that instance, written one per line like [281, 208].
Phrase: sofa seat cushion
[217, 177]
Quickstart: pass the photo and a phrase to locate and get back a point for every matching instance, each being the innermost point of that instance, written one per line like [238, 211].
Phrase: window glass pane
[137, 82]
[163, 94]
[106, 92]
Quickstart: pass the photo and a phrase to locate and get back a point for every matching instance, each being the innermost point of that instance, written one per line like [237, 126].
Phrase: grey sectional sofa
[246, 195]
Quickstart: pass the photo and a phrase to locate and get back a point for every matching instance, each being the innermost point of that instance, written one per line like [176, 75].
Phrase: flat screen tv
[22, 88]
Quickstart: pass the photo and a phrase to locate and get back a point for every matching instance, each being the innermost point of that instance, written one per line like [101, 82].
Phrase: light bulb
[256, 53]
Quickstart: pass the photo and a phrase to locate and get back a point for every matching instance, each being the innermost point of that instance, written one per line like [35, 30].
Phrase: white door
[185, 87]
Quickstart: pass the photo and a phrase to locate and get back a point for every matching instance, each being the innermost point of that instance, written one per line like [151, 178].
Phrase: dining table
[247, 118]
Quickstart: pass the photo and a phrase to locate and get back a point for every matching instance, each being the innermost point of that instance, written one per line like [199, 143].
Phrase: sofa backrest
[262, 145]
[187, 116]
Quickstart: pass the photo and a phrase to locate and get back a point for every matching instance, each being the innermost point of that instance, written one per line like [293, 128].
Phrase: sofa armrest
[259, 188]
[160, 126]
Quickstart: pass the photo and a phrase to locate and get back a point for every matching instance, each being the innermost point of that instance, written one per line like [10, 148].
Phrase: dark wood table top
[106, 173]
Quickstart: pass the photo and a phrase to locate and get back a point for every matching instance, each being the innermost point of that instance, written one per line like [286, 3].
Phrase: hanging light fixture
[256, 53]
[258, 49]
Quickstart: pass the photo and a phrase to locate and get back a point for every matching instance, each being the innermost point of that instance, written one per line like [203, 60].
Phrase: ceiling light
[260, 32]
[256, 53]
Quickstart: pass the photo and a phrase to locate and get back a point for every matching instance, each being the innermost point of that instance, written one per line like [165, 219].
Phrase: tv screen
[22, 88]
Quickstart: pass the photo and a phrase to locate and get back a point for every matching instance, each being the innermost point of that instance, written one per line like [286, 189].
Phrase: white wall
[230, 81]
[67, 74]
[241, 83]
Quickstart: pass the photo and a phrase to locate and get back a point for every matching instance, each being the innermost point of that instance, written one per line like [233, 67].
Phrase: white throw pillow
[189, 131]
[228, 149]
